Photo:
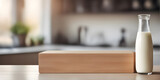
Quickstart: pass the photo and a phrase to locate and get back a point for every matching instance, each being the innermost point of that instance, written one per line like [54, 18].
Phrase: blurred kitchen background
[28, 27]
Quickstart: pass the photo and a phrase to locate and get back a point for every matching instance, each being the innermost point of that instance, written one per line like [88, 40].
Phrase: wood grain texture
[86, 62]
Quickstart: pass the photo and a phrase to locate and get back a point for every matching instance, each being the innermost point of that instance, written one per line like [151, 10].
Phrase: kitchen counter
[33, 49]
[30, 72]
[11, 55]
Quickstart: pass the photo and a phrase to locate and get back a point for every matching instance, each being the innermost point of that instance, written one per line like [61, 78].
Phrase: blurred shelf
[117, 12]
[107, 6]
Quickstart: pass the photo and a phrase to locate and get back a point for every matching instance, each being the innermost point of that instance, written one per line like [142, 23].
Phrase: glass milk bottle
[144, 47]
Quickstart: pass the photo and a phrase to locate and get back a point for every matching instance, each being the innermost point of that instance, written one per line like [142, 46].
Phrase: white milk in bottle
[144, 47]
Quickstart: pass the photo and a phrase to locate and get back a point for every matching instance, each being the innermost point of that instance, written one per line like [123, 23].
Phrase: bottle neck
[144, 25]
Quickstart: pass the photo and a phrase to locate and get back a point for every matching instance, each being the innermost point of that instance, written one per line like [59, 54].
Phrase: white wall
[110, 25]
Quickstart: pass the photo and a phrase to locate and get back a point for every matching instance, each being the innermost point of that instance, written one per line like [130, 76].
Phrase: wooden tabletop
[30, 72]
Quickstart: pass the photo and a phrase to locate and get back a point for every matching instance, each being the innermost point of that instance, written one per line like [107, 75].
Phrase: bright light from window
[5, 15]
[33, 15]
[5, 22]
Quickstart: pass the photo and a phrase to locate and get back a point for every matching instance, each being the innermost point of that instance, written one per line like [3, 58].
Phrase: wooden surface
[30, 72]
[86, 62]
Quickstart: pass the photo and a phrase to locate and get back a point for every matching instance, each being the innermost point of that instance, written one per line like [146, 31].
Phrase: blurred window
[37, 16]
[6, 21]
[32, 15]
